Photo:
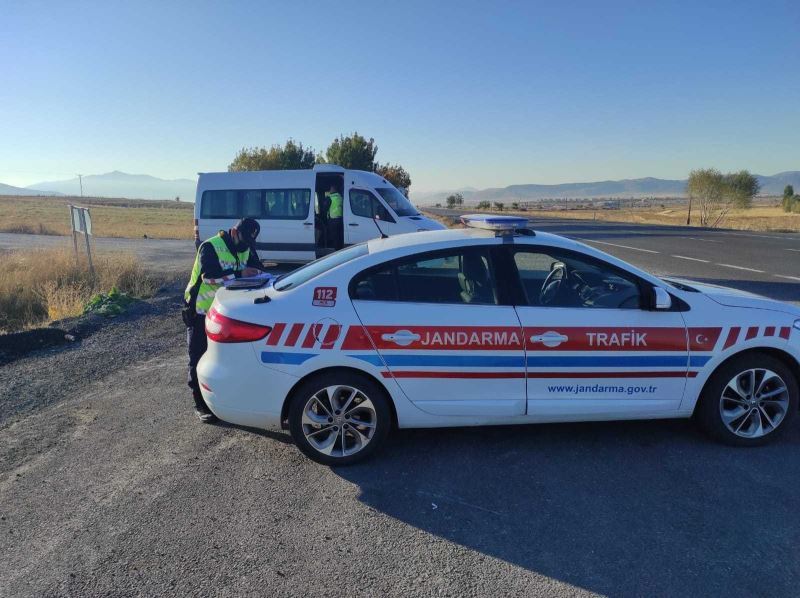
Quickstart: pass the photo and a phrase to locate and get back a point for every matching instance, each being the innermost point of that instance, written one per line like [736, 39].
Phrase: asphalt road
[168, 254]
[763, 263]
[109, 486]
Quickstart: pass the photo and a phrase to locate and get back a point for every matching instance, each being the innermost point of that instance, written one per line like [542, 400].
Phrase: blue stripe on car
[554, 361]
[286, 358]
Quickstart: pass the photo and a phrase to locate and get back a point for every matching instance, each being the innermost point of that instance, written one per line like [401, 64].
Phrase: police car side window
[552, 278]
[458, 276]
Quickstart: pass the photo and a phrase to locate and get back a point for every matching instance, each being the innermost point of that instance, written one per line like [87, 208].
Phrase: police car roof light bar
[502, 225]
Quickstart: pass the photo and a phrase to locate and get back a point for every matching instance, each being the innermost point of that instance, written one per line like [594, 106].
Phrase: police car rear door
[441, 334]
[591, 347]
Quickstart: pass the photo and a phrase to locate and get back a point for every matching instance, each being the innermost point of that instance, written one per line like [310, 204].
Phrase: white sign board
[81, 220]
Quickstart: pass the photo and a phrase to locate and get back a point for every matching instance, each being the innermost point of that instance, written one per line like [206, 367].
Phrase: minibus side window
[286, 204]
[219, 204]
[269, 204]
[251, 203]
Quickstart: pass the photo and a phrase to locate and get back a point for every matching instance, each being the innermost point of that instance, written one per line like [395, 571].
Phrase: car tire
[732, 413]
[339, 417]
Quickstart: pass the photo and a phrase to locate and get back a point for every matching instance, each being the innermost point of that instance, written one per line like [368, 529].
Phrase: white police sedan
[493, 324]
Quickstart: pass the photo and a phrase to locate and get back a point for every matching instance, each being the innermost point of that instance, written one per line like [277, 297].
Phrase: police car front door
[591, 349]
[441, 336]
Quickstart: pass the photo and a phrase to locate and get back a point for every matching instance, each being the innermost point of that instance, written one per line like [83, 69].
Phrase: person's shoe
[204, 415]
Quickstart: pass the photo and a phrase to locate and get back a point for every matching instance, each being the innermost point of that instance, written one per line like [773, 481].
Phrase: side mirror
[661, 299]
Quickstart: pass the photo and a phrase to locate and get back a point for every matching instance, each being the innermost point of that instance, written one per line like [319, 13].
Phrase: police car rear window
[320, 266]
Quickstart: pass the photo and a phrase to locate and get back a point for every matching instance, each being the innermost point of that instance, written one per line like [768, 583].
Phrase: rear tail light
[196, 230]
[222, 329]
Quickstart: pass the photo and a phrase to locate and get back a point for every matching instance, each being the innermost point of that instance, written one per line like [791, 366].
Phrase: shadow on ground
[636, 508]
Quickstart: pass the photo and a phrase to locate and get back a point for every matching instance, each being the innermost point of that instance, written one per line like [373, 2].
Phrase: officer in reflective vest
[224, 257]
[335, 222]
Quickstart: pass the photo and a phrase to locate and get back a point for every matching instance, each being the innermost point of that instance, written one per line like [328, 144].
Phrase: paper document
[260, 277]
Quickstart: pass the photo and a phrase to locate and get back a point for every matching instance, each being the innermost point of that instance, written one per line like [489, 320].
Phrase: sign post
[81, 221]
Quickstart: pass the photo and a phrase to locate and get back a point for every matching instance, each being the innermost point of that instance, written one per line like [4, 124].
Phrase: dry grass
[40, 286]
[129, 218]
[758, 218]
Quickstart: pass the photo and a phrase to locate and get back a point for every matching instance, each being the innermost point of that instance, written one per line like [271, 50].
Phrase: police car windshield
[317, 267]
[397, 201]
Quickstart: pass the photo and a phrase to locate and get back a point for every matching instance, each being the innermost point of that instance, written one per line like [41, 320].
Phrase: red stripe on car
[294, 334]
[509, 338]
[703, 339]
[769, 331]
[611, 374]
[311, 335]
[473, 375]
[276, 334]
[752, 332]
[331, 335]
[785, 330]
[426, 374]
[732, 336]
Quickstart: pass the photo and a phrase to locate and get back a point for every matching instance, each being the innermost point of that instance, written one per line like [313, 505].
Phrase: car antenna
[383, 234]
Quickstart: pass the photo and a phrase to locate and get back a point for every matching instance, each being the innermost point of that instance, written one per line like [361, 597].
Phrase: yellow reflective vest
[210, 286]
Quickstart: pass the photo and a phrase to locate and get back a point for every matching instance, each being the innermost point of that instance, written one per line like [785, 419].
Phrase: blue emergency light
[495, 223]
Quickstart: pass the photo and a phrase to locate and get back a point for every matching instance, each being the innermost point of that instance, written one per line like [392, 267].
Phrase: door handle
[308, 224]
[353, 224]
[550, 338]
[401, 337]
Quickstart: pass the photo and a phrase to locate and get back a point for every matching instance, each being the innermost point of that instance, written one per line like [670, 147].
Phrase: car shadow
[626, 508]
[277, 435]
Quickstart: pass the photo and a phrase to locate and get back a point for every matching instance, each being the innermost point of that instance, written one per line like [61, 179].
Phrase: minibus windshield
[397, 201]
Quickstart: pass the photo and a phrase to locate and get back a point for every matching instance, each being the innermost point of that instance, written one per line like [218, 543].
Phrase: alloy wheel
[339, 421]
[754, 403]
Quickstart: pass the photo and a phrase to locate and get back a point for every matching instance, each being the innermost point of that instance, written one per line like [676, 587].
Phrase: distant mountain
[11, 190]
[646, 187]
[122, 184]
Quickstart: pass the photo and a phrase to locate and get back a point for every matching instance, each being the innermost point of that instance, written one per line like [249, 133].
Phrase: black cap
[249, 227]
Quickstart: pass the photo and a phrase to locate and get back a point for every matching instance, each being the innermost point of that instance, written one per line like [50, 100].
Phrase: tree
[499, 205]
[717, 193]
[292, 156]
[396, 175]
[740, 188]
[705, 186]
[484, 205]
[456, 199]
[789, 198]
[515, 205]
[354, 152]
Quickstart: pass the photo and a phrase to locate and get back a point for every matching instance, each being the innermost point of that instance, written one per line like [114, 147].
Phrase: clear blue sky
[462, 94]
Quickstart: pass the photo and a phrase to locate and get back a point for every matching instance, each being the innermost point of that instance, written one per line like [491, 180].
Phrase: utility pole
[80, 180]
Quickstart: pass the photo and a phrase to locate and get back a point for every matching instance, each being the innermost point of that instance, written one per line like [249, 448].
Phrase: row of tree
[716, 193]
[352, 152]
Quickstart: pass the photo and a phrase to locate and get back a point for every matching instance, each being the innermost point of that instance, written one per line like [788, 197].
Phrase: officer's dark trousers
[336, 232]
[198, 343]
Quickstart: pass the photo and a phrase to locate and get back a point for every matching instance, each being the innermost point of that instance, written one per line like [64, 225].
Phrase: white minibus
[291, 207]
